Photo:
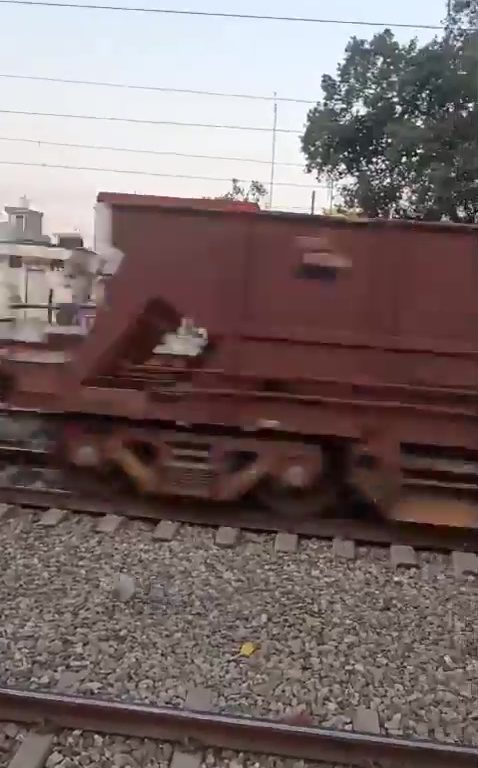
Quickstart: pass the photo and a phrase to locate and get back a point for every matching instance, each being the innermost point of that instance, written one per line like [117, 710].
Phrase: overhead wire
[132, 86]
[144, 121]
[156, 88]
[96, 169]
[134, 150]
[222, 14]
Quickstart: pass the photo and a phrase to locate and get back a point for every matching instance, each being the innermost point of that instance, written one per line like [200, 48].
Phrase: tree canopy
[397, 128]
[251, 194]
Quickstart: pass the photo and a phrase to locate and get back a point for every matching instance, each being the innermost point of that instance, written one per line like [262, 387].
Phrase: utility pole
[273, 154]
[312, 203]
[331, 197]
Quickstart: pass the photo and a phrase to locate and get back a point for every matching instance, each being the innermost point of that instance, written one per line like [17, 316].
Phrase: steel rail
[53, 711]
[418, 535]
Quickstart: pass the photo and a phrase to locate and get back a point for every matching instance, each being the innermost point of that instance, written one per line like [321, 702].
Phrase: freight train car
[337, 360]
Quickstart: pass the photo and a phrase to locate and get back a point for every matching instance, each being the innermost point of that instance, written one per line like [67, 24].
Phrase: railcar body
[317, 360]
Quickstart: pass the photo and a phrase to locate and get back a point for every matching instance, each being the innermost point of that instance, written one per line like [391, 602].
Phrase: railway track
[197, 731]
[51, 507]
[329, 628]
[81, 499]
[129, 515]
[28, 478]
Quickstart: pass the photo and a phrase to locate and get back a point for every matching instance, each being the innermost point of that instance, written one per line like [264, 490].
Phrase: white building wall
[26, 286]
[23, 283]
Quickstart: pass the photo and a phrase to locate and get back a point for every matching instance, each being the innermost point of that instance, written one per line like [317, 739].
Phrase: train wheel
[297, 486]
[286, 501]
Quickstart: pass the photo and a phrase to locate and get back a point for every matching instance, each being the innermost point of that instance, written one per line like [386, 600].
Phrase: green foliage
[342, 212]
[252, 194]
[397, 126]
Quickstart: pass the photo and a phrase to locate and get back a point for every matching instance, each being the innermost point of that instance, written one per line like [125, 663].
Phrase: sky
[236, 56]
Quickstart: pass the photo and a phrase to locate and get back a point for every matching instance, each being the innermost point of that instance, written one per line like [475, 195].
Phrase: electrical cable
[222, 14]
[59, 166]
[143, 121]
[156, 88]
[132, 150]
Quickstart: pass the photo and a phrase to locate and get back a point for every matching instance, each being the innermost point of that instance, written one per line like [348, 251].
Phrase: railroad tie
[343, 549]
[109, 524]
[286, 542]
[465, 564]
[166, 530]
[200, 700]
[185, 759]
[227, 537]
[402, 556]
[52, 517]
[366, 721]
[33, 752]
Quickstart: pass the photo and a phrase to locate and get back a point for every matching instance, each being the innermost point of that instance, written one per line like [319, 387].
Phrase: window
[20, 222]
[15, 262]
[319, 259]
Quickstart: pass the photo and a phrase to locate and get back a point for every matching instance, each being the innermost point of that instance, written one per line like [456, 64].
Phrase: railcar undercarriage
[290, 478]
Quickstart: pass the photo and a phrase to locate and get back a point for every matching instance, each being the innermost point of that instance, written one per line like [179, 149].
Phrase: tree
[253, 194]
[397, 127]
[340, 212]
[463, 17]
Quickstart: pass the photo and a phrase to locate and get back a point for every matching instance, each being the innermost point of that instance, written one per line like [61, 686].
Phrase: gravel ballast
[128, 616]
[227, 759]
[91, 750]
[11, 736]
[82, 748]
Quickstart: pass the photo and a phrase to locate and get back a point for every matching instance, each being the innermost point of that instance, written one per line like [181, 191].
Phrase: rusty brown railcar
[341, 362]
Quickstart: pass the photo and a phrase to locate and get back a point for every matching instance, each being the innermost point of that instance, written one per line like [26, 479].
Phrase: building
[46, 283]
[23, 248]
[28, 257]
[23, 224]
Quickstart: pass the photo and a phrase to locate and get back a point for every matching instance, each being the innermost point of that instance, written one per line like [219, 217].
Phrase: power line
[142, 121]
[133, 150]
[95, 169]
[221, 15]
[157, 88]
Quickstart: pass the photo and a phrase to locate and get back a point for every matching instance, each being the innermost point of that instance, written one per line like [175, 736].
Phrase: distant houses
[32, 266]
